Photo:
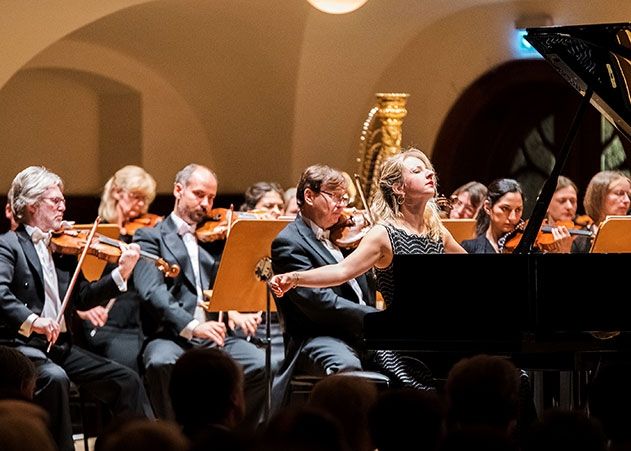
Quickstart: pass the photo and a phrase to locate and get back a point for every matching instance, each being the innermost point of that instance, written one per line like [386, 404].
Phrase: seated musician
[562, 208]
[466, 200]
[324, 322]
[115, 333]
[267, 198]
[291, 206]
[607, 194]
[33, 283]
[171, 312]
[500, 216]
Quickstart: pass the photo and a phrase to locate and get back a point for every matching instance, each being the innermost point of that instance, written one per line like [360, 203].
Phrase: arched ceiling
[274, 86]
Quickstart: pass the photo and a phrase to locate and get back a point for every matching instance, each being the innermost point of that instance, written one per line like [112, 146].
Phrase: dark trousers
[116, 386]
[161, 354]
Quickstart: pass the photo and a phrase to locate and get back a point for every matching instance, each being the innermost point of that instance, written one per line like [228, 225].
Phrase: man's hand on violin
[97, 315]
[246, 321]
[282, 283]
[48, 327]
[130, 254]
[562, 240]
[211, 330]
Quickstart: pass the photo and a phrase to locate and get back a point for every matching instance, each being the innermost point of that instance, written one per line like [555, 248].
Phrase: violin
[544, 240]
[217, 224]
[144, 220]
[73, 241]
[350, 228]
[445, 205]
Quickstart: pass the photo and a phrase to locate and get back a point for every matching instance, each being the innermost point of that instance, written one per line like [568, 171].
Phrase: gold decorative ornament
[380, 138]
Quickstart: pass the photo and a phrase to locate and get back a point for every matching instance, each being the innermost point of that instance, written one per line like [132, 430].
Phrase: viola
[544, 240]
[217, 224]
[144, 220]
[350, 228]
[73, 241]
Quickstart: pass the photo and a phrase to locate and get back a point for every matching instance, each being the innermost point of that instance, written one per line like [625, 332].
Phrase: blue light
[523, 47]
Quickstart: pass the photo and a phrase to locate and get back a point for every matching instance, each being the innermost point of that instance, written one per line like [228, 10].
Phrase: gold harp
[380, 138]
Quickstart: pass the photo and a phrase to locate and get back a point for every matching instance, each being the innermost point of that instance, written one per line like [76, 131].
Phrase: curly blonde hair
[386, 204]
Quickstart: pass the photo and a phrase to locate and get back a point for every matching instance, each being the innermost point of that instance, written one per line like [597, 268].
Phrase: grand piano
[533, 307]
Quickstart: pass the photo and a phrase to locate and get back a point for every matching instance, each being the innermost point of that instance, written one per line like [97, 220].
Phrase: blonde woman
[114, 331]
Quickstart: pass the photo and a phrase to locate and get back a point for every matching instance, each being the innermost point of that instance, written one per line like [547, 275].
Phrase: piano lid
[596, 57]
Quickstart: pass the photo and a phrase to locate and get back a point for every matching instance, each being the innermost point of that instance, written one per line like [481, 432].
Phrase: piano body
[526, 304]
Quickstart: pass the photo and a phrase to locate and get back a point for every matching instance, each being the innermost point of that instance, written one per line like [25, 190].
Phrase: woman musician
[607, 194]
[114, 331]
[501, 216]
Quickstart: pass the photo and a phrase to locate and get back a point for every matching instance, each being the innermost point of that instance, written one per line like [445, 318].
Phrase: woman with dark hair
[500, 215]
[266, 197]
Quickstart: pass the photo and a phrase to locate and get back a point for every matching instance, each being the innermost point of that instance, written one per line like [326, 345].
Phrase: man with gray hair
[33, 282]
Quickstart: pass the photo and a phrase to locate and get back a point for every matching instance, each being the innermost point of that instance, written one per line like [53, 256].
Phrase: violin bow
[362, 196]
[64, 304]
[230, 215]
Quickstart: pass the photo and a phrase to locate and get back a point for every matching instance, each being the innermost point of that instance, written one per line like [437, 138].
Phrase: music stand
[614, 236]
[460, 229]
[241, 279]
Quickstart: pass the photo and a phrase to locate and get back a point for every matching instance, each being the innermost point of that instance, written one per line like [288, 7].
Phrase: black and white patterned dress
[405, 370]
[403, 243]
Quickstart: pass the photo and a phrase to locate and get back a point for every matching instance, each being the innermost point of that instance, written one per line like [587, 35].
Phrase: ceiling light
[337, 6]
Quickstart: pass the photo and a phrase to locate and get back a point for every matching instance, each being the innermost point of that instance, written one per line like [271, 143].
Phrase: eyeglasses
[55, 201]
[337, 200]
[136, 196]
[620, 193]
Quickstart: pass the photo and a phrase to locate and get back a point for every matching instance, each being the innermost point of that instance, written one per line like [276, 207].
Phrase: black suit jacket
[22, 284]
[168, 304]
[310, 312]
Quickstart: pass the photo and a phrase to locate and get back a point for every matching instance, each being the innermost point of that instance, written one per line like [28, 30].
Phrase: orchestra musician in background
[115, 332]
[466, 200]
[607, 194]
[563, 205]
[328, 295]
[265, 198]
[172, 314]
[291, 206]
[501, 215]
[33, 283]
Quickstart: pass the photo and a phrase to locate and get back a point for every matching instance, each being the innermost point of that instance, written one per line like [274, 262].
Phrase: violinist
[32, 284]
[562, 208]
[291, 206]
[172, 315]
[501, 215]
[466, 200]
[126, 197]
[265, 197]
[324, 322]
[607, 194]
[115, 332]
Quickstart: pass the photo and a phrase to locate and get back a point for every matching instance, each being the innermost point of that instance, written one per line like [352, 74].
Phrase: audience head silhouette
[483, 390]
[17, 375]
[349, 399]
[222, 404]
[407, 418]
